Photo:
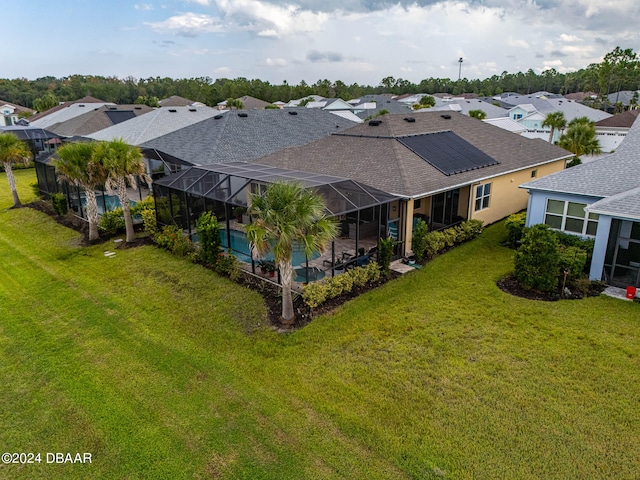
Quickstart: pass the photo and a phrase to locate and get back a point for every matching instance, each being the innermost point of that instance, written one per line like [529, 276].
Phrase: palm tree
[580, 138]
[556, 121]
[76, 164]
[122, 163]
[285, 215]
[234, 103]
[13, 150]
[479, 114]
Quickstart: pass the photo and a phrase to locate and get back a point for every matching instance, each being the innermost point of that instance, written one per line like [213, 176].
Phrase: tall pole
[459, 68]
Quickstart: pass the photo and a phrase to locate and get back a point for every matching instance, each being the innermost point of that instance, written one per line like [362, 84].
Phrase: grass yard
[161, 369]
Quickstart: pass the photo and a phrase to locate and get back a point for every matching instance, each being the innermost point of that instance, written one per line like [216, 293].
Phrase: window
[483, 192]
[534, 173]
[570, 217]
[417, 204]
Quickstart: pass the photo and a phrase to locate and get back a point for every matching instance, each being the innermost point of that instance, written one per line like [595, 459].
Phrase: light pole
[459, 68]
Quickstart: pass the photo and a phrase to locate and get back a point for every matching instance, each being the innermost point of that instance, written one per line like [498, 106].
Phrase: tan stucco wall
[506, 197]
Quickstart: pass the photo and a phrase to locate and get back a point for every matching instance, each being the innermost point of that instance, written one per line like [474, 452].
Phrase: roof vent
[292, 112]
[113, 108]
[409, 119]
[375, 123]
[446, 116]
[137, 108]
[243, 115]
[173, 110]
[192, 110]
[217, 117]
[81, 105]
[388, 101]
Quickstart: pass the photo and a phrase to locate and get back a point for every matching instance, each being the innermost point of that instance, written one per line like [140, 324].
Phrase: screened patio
[224, 189]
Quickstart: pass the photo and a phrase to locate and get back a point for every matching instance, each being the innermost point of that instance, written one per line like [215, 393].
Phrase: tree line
[619, 70]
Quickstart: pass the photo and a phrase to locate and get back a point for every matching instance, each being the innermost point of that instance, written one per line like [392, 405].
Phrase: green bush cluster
[435, 242]
[209, 238]
[59, 203]
[227, 265]
[146, 210]
[572, 261]
[419, 245]
[515, 225]
[537, 261]
[385, 252]
[315, 294]
[112, 222]
[172, 239]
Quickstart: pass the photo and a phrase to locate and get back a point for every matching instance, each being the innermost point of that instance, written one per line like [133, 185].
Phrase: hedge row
[315, 294]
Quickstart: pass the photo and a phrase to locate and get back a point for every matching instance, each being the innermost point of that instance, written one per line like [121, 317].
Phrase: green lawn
[160, 369]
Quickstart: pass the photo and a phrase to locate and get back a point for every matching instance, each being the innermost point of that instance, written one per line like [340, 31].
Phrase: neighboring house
[370, 105]
[243, 136]
[463, 106]
[611, 131]
[626, 97]
[10, 113]
[507, 124]
[296, 102]
[599, 200]
[41, 142]
[248, 103]
[177, 101]
[444, 167]
[98, 119]
[66, 110]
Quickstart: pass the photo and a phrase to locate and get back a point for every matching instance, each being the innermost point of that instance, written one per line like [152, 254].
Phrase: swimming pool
[240, 248]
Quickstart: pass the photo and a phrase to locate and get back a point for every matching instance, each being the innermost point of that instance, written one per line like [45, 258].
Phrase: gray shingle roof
[383, 102]
[372, 154]
[156, 123]
[464, 106]
[617, 175]
[232, 138]
[94, 120]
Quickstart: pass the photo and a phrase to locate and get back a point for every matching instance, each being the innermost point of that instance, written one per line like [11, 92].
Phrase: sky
[355, 41]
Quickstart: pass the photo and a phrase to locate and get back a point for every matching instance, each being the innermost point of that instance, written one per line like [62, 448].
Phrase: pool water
[112, 202]
[240, 248]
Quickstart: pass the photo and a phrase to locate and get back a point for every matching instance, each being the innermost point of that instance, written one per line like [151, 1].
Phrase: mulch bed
[510, 285]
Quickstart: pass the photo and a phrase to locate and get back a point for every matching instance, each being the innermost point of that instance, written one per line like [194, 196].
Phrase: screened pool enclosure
[224, 189]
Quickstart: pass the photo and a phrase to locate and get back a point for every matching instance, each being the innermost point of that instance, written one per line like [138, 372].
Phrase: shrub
[209, 237]
[315, 294]
[537, 260]
[112, 222]
[435, 243]
[228, 265]
[59, 203]
[172, 239]
[515, 224]
[147, 204]
[572, 260]
[149, 221]
[385, 252]
[420, 239]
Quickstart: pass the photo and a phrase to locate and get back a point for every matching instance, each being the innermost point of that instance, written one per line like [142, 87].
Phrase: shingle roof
[175, 101]
[464, 106]
[624, 97]
[573, 109]
[626, 204]
[620, 120]
[87, 99]
[383, 102]
[156, 123]
[18, 108]
[95, 120]
[603, 177]
[374, 156]
[235, 138]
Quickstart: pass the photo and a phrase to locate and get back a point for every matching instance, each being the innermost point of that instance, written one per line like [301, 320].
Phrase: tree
[234, 103]
[76, 164]
[556, 121]
[285, 215]
[122, 164]
[45, 102]
[427, 100]
[479, 114]
[580, 138]
[537, 261]
[13, 150]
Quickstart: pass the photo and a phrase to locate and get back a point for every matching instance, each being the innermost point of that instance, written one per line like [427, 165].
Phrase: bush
[59, 203]
[572, 260]
[149, 221]
[209, 237]
[112, 222]
[420, 239]
[537, 260]
[147, 204]
[172, 239]
[228, 265]
[385, 252]
[515, 224]
[315, 294]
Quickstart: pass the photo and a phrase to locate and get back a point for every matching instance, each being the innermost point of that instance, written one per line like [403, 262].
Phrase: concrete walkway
[616, 292]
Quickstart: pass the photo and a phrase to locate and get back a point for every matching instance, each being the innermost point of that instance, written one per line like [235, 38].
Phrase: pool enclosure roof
[230, 182]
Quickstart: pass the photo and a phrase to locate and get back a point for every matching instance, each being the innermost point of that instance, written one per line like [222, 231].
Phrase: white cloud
[143, 6]
[276, 62]
[517, 42]
[188, 24]
[568, 38]
[204, 3]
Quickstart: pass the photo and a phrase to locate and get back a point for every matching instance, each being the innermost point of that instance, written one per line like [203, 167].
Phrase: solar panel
[120, 116]
[447, 152]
